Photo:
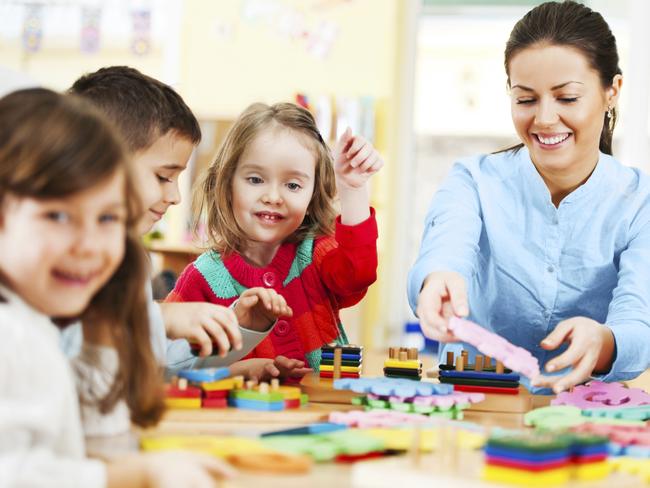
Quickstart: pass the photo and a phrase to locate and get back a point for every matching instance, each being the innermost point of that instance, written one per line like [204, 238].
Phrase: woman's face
[558, 106]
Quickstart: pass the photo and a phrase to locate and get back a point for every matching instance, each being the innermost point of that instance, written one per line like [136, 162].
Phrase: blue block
[205, 374]
[347, 357]
[393, 387]
[638, 451]
[319, 428]
[530, 456]
[472, 375]
[255, 405]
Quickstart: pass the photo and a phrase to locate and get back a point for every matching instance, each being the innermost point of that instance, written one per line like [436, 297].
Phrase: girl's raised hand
[355, 160]
[257, 308]
[591, 348]
[443, 295]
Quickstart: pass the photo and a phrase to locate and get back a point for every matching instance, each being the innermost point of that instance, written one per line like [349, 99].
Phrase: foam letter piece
[513, 357]
[597, 394]
[393, 387]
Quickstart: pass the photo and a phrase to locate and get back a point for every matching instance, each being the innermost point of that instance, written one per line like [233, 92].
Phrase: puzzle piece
[597, 394]
[204, 375]
[627, 413]
[392, 387]
[514, 357]
[558, 417]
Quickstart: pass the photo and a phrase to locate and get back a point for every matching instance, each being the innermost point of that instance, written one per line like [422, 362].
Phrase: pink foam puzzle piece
[376, 418]
[513, 357]
[625, 435]
[598, 394]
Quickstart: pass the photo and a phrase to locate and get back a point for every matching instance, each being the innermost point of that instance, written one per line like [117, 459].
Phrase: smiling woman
[548, 243]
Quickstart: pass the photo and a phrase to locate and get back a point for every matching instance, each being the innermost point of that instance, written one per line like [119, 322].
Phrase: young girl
[68, 250]
[548, 243]
[268, 198]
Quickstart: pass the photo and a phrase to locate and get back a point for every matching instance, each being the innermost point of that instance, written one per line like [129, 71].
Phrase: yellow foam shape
[227, 384]
[346, 369]
[408, 364]
[401, 439]
[592, 471]
[213, 445]
[552, 477]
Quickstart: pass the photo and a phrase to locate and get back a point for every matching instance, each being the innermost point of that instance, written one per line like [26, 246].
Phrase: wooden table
[250, 423]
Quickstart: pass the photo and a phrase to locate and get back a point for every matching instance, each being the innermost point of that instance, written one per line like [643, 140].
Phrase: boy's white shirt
[41, 437]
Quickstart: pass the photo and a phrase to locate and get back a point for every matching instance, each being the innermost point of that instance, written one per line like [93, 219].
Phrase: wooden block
[337, 363]
[460, 363]
[403, 355]
[321, 390]
[478, 363]
[499, 369]
[392, 352]
[450, 358]
[412, 353]
[487, 362]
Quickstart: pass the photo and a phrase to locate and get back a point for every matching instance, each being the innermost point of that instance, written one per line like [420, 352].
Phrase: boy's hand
[355, 161]
[202, 323]
[443, 295]
[264, 369]
[591, 348]
[257, 308]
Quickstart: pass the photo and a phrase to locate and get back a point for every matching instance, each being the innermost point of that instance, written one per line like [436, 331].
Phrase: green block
[257, 396]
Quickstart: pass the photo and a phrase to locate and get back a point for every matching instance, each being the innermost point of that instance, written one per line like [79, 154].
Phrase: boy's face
[157, 170]
[57, 253]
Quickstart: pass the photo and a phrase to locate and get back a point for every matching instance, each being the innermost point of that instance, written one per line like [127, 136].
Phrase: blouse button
[281, 328]
[268, 278]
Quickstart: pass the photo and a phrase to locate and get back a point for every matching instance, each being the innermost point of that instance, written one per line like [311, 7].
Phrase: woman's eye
[164, 179]
[525, 101]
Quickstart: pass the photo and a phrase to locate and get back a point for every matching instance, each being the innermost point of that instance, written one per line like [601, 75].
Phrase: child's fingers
[344, 141]
[357, 144]
[227, 318]
[218, 335]
[361, 156]
[368, 166]
[248, 301]
[201, 337]
[265, 297]
[299, 372]
[272, 370]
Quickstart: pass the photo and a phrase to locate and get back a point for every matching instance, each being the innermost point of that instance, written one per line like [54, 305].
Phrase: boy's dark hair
[141, 107]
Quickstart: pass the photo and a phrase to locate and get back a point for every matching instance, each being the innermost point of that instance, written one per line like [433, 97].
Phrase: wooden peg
[412, 353]
[182, 384]
[403, 355]
[264, 387]
[450, 358]
[337, 363]
[250, 384]
[487, 362]
[478, 363]
[499, 367]
[465, 355]
[275, 384]
[460, 363]
[392, 352]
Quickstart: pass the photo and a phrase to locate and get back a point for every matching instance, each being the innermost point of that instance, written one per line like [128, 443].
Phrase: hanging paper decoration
[141, 43]
[90, 21]
[33, 28]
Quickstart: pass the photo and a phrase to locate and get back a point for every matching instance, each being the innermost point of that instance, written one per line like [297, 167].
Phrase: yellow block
[183, 402]
[409, 364]
[592, 471]
[290, 392]
[640, 467]
[552, 477]
[346, 369]
[227, 384]
[402, 439]
[215, 446]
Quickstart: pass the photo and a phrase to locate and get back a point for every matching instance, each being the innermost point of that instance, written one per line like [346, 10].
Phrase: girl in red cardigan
[269, 202]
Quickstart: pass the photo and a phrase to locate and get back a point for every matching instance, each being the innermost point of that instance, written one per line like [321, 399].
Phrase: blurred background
[423, 79]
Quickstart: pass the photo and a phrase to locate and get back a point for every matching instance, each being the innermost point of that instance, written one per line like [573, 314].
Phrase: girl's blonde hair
[215, 196]
[53, 146]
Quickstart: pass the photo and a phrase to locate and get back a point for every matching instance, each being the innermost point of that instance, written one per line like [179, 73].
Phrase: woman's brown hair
[215, 196]
[573, 25]
[53, 146]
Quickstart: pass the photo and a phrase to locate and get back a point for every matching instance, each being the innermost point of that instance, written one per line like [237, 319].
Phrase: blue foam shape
[205, 374]
[615, 449]
[529, 456]
[349, 357]
[246, 404]
[393, 387]
[318, 428]
[473, 375]
[577, 450]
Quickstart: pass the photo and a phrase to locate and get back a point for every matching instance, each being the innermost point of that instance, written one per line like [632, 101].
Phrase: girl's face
[273, 185]
[56, 254]
[558, 106]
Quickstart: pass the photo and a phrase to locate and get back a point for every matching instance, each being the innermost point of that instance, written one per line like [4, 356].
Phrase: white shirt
[41, 440]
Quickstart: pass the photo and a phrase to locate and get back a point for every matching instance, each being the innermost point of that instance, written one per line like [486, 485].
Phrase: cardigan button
[268, 279]
[281, 328]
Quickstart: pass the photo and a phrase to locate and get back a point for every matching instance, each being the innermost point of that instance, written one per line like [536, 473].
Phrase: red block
[172, 391]
[526, 465]
[216, 394]
[214, 403]
[293, 403]
[487, 389]
[330, 374]
[350, 458]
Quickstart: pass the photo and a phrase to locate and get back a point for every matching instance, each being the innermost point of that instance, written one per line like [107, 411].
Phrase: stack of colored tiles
[207, 388]
[351, 359]
[403, 362]
[409, 396]
[481, 376]
[545, 458]
[267, 398]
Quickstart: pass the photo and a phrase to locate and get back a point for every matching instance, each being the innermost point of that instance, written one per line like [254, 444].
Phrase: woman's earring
[610, 117]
